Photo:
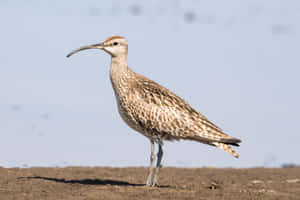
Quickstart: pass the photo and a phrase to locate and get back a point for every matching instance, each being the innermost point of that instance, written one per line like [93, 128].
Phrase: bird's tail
[230, 141]
[226, 148]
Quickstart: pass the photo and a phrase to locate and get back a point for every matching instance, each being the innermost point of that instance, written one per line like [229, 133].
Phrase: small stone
[256, 181]
[293, 180]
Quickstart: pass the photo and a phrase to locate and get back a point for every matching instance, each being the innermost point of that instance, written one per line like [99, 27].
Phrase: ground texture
[85, 183]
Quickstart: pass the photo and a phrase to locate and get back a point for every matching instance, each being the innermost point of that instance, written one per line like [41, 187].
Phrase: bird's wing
[162, 111]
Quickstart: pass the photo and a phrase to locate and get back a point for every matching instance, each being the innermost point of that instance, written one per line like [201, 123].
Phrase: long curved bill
[94, 46]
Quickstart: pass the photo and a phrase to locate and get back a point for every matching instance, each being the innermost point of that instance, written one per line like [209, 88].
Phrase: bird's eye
[115, 43]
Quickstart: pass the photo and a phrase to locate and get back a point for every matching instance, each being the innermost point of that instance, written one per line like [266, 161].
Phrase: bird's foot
[154, 182]
[154, 185]
[149, 180]
[149, 183]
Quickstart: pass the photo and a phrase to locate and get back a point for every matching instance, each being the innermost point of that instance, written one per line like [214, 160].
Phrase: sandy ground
[87, 183]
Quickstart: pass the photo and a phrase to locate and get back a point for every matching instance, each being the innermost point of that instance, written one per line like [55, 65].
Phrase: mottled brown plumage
[155, 111]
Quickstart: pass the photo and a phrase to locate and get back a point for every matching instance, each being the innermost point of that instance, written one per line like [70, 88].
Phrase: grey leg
[152, 159]
[158, 166]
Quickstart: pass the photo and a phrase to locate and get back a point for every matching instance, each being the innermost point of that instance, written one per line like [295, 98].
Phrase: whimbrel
[155, 111]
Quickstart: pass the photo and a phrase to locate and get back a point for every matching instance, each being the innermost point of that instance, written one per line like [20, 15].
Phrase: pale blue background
[237, 62]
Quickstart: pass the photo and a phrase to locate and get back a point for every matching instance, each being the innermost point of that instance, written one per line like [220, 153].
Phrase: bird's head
[114, 45]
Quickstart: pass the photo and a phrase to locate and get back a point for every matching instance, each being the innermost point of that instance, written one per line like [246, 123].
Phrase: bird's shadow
[85, 181]
[91, 181]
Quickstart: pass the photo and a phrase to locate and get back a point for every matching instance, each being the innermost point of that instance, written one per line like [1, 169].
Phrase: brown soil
[86, 183]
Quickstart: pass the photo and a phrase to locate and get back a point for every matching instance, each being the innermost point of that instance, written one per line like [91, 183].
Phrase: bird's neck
[119, 72]
[118, 66]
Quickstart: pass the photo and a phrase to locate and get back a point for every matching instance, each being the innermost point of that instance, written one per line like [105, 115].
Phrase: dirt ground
[91, 183]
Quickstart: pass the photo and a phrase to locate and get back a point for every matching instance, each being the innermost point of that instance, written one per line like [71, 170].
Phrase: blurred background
[237, 62]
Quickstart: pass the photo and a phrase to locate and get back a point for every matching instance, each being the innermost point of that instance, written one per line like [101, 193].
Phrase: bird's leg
[158, 166]
[152, 159]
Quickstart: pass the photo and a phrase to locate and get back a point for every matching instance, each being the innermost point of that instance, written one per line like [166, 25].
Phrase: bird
[154, 111]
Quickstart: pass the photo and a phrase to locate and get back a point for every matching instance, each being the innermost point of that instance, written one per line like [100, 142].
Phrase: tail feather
[231, 141]
[226, 148]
